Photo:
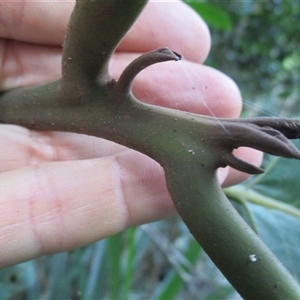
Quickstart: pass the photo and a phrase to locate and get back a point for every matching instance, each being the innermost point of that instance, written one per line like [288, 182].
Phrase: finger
[249, 155]
[180, 85]
[22, 147]
[184, 86]
[171, 24]
[195, 88]
[36, 22]
[25, 64]
[59, 206]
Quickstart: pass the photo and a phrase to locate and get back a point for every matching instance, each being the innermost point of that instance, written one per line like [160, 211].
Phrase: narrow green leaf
[115, 271]
[281, 233]
[280, 181]
[172, 283]
[273, 206]
[129, 271]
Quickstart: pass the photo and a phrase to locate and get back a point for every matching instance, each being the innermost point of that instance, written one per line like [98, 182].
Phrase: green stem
[91, 41]
[257, 198]
[189, 147]
[231, 244]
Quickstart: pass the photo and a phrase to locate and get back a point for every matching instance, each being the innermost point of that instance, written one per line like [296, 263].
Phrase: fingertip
[42, 22]
[200, 41]
[222, 94]
[252, 156]
[171, 24]
[189, 87]
[222, 174]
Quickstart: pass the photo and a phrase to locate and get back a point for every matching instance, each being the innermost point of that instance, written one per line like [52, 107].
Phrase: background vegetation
[257, 44]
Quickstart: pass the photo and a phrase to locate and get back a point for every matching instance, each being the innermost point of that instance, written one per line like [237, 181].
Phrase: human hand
[61, 190]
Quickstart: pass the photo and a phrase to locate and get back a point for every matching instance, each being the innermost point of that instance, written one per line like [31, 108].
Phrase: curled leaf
[288, 127]
[145, 60]
[230, 160]
[269, 135]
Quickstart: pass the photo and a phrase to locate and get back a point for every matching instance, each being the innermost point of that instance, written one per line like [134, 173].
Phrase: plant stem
[189, 147]
[95, 30]
[257, 198]
[189, 156]
[231, 244]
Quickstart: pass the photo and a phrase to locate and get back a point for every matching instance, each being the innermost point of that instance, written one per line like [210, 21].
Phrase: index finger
[162, 23]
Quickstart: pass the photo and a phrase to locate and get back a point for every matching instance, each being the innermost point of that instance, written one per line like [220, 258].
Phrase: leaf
[280, 180]
[281, 232]
[279, 229]
[270, 203]
[212, 15]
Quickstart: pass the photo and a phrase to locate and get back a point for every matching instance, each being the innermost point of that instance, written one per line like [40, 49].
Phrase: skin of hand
[59, 191]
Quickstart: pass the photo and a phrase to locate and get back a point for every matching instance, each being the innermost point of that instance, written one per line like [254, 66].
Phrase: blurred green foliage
[261, 52]
[213, 15]
[257, 44]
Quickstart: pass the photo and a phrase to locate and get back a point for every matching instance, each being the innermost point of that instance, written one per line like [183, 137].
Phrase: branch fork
[189, 147]
[270, 135]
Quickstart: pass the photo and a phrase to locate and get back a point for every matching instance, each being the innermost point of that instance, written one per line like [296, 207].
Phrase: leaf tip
[230, 160]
